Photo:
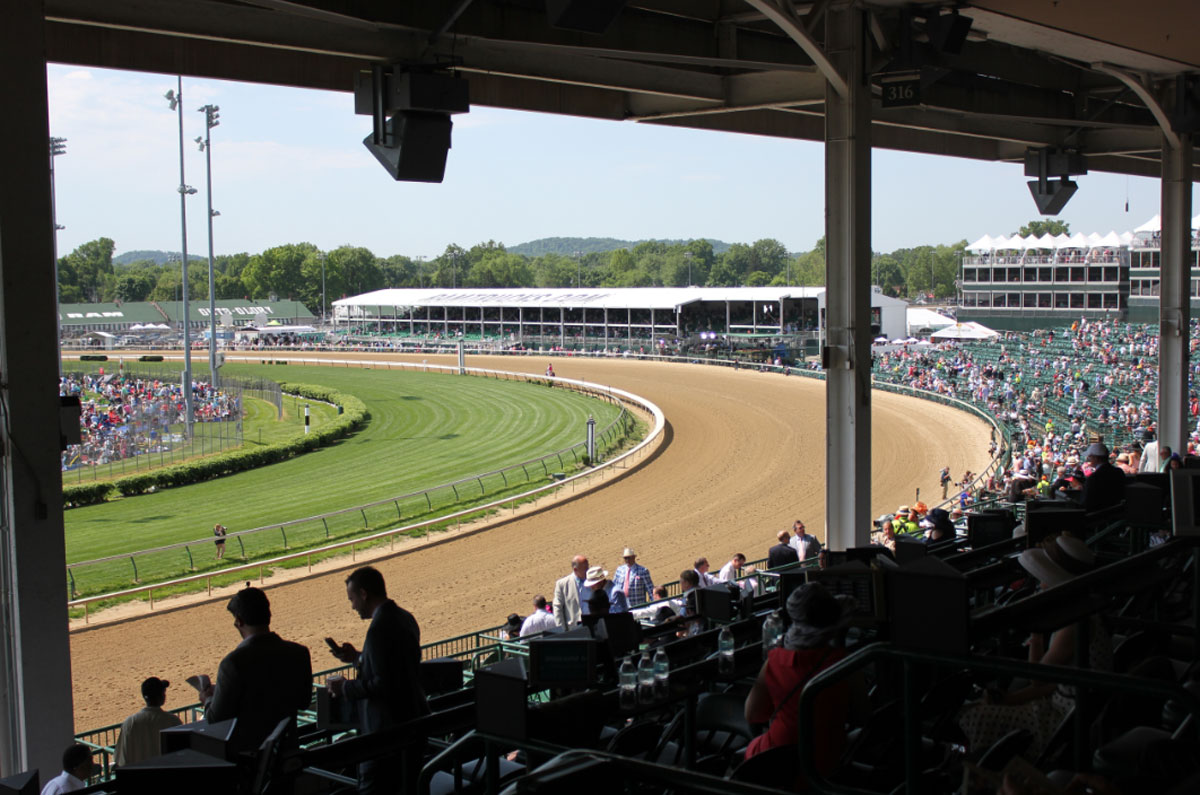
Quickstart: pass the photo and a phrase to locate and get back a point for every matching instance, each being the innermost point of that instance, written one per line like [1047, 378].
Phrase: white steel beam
[1174, 302]
[848, 285]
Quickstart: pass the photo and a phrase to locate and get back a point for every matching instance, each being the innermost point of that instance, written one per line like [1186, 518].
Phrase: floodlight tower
[58, 146]
[175, 100]
[211, 119]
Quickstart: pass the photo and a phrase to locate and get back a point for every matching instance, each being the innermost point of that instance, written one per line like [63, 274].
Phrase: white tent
[1111, 240]
[1078, 240]
[919, 318]
[1153, 225]
[1062, 240]
[985, 243]
[964, 331]
[1048, 241]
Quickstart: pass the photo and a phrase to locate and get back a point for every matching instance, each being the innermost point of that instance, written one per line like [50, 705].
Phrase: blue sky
[289, 166]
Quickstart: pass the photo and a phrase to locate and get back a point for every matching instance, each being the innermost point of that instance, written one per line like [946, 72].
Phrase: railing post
[74, 593]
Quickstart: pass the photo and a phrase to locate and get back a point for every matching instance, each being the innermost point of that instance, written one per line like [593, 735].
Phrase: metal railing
[508, 501]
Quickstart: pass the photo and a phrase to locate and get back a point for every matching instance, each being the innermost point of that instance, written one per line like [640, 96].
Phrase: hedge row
[353, 415]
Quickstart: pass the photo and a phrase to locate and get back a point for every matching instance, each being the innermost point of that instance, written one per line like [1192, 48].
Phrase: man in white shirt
[806, 545]
[139, 733]
[540, 620]
[77, 767]
[729, 571]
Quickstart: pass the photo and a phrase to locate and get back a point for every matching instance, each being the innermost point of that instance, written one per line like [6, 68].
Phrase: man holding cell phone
[386, 691]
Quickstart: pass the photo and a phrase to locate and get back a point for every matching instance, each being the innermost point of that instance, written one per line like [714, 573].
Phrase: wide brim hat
[628, 553]
[940, 519]
[595, 575]
[1096, 449]
[1057, 563]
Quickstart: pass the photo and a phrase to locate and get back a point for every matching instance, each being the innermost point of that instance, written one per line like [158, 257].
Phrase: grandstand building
[605, 315]
[1026, 282]
[133, 316]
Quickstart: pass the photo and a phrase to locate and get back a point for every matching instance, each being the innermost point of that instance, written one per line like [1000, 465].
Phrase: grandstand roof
[583, 298]
[239, 308]
[91, 314]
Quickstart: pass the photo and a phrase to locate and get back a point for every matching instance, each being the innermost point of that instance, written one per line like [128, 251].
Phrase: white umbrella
[898, 341]
[880, 340]
[911, 340]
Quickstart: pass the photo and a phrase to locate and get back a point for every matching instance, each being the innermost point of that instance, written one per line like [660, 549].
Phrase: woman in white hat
[1040, 707]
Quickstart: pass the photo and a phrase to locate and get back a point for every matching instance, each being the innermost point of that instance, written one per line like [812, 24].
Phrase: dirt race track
[744, 457]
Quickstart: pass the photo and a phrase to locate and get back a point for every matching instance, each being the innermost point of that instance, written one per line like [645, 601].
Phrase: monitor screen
[855, 580]
[867, 554]
[1185, 501]
[909, 550]
[985, 529]
[619, 632]
[788, 582]
[564, 661]
[20, 784]
[1046, 522]
[942, 591]
[717, 602]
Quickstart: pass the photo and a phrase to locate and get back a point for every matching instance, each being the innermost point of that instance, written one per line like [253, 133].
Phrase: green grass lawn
[425, 430]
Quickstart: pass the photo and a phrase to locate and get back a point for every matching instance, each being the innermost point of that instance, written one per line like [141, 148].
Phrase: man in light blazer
[387, 689]
[567, 610]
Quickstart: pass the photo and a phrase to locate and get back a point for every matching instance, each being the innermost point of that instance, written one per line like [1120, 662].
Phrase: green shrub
[353, 416]
[150, 358]
[93, 357]
[85, 494]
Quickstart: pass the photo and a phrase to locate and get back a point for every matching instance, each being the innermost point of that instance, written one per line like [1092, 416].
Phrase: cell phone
[333, 647]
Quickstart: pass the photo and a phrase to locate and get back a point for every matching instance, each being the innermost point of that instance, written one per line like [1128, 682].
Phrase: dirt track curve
[745, 456]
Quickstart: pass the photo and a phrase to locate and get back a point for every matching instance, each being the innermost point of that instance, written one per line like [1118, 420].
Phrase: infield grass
[425, 430]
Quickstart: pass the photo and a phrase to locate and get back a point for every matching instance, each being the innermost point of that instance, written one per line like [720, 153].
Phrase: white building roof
[584, 298]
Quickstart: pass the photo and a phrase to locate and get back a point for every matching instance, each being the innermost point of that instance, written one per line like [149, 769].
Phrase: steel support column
[847, 285]
[1174, 301]
[36, 716]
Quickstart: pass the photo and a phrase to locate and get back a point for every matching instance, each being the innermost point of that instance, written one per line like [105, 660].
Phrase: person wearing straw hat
[597, 580]
[1040, 707]
[633, 579]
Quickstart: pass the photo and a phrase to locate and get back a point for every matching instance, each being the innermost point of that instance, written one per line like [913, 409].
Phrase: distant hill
[159, 257]
[567, 246]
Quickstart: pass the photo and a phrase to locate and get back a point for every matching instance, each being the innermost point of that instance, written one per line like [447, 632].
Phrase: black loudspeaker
[586, 16]
[1051, 199]
[948, 32]
[414, 147]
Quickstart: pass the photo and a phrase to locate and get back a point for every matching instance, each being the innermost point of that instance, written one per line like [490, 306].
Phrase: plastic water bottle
[725, 664]
[772, 631]
[627, 684]
[645, 680]
[662, 675]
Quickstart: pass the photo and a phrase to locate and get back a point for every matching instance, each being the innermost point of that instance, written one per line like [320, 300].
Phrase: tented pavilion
[1104, 88]
[600, 315]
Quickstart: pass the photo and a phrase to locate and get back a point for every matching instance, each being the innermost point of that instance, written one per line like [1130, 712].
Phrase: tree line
[295, 270]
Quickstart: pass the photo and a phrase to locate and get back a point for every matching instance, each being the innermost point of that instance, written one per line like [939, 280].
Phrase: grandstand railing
[508, 501]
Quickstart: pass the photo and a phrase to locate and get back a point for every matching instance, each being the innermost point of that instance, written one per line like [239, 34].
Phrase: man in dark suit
[782, 553]
[1105, 487]
[387, 689]
[262, 681]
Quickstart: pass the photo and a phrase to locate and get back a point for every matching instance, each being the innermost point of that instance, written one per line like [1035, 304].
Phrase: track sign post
[591, 440]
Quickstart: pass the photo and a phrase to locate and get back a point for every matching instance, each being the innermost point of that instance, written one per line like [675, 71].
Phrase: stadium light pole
[211, 119]
[58, 146]
[175, 100]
